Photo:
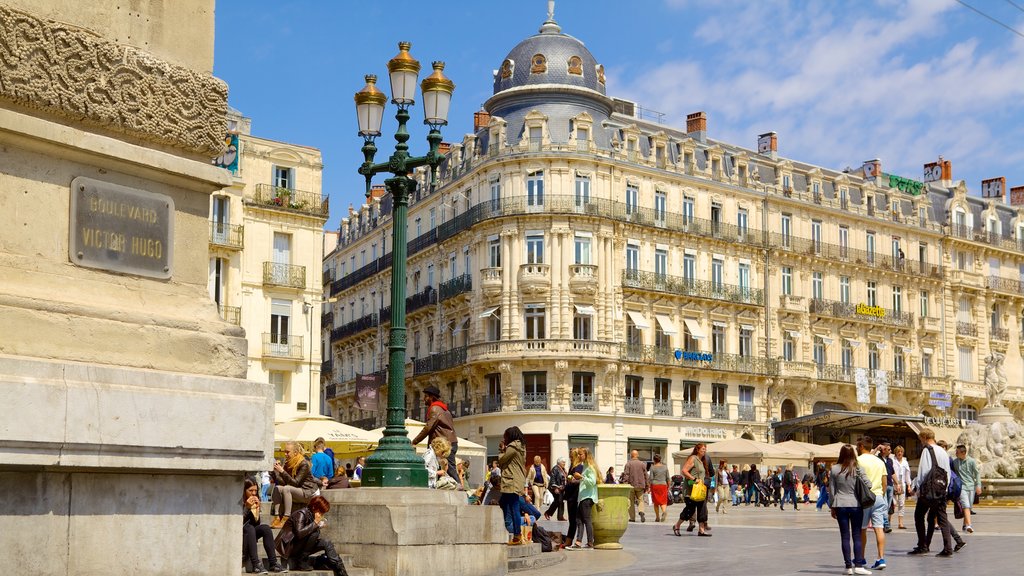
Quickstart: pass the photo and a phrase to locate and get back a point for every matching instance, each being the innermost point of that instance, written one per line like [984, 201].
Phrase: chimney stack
[697, 126]
[1016, 196]
[768, 145]
[377, 191]
[872, 169]
[940, 171]
[480, 120]
[444, 147]
[993, 187]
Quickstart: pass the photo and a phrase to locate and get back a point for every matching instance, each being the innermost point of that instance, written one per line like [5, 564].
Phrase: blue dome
[550, 57]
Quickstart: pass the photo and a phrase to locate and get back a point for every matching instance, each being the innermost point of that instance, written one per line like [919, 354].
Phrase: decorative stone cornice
[72, 73]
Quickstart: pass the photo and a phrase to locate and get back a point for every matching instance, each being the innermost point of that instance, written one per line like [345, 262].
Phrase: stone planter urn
[611, 521]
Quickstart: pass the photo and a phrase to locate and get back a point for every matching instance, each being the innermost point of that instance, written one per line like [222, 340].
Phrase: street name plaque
[121, 229]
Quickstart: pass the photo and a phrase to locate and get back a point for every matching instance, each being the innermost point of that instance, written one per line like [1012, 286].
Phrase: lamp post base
[395, 464]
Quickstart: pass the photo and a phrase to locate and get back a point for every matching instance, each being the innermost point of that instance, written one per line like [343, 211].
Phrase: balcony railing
[720, 361]
[582, 401]
[1005, 285]
[327, 321]
[846, 254]
[354, 327]
[441, 361]
[848, 374]
[1000, 334]
[662, 407]
[426, 297]
[534, 401]
[232, 314]
[328, 277]
[990, 238]
[326, 368]
[456, 286]
[967, 329]
[331, 390]
[688, 287]
[275, 274]
[720, 411]
[282, 345]
[299, 201]
[874, 314]
[491, 404]
[633, 405]
[226, 235]
[745, 412]
[691, 409]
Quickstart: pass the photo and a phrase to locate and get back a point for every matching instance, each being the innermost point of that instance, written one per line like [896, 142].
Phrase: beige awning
[638, 320]
[927, 350]
[488, 312]
[585, 310]
[854, 343]
[666, 324]
[748, 327]
[694, 327]
[795, 334]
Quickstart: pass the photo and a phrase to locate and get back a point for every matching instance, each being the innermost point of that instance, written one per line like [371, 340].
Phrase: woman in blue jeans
[846, 509]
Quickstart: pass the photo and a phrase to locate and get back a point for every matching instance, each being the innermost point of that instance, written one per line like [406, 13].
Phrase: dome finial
[549, 26]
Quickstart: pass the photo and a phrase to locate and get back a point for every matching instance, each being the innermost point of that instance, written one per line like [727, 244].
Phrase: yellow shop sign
[865, 310]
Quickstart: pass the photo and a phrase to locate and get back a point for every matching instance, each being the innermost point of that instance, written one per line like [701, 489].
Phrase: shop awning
[666, 324]
[638, 320]
[489, 312]
[795, 334]
[585, 310]
[853, 342]
[747, 327]
[826, 340]
[927, 350]
[695, 330]
[464, 325]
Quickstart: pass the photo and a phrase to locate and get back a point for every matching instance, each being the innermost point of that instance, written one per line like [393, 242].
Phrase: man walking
[752, 481]
[788, 488]
[967, 468]
[556, 486]
[635, 474]
[439, 423]
[735, 485]
[876, 515]
[931, 500]
[885, 454]
[821, 481]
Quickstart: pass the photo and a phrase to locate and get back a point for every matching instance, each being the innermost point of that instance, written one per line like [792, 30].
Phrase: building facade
[266, 249]
[597, 277]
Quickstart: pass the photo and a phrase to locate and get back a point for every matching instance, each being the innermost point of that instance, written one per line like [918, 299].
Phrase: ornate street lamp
[395, 463]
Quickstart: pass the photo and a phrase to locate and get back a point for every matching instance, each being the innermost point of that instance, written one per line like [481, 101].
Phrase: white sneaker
[969, 529]
[848, 572]
[859, 570]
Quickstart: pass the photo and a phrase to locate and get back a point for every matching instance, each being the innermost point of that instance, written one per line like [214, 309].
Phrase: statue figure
[551, 10]
[995, 380]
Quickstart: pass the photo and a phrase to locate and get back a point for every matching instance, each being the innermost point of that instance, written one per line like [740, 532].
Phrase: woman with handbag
[846, 481]
[696, 493]
[293, 482]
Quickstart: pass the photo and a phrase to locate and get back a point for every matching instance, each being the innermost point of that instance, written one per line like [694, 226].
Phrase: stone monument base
[993, 414]
[417, 532]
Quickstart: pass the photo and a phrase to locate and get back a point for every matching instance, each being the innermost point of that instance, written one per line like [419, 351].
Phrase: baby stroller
[676, 491]
[764, 493]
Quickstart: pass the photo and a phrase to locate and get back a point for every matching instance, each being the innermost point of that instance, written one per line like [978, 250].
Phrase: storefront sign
[943, 422]
[697, 433]
[905, 185]
[865, 310]
[121, 229]
[694, 356]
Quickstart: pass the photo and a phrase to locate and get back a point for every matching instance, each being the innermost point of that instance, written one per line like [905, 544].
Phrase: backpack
[542, 537]
[955, 485]
[935, 487]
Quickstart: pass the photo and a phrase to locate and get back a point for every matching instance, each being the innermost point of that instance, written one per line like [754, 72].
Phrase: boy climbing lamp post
[395, 463]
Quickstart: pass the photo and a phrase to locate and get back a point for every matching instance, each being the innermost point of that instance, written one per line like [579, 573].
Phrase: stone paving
[768, 542]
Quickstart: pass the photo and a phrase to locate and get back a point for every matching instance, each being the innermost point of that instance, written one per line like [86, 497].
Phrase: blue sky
[841, 81]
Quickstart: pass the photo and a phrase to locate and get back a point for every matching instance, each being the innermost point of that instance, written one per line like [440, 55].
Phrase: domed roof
[550, 57]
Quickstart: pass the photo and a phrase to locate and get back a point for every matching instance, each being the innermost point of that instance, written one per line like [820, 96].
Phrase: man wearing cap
[439, 423]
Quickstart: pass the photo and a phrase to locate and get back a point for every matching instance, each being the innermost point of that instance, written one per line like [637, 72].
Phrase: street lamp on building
[395, 463]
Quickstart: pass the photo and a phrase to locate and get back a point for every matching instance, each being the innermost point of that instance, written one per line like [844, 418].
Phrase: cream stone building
[599, 277]
[266, 252]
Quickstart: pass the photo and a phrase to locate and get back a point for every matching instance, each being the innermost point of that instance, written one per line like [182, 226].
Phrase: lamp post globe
[395, 463]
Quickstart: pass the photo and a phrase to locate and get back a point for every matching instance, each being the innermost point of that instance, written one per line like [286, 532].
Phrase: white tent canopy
[743, 451]
[343, 439]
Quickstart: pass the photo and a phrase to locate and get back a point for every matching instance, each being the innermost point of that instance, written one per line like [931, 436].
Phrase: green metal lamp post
[395, 463]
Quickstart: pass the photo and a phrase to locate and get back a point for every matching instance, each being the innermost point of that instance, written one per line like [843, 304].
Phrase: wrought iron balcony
[719, 411]
[327, 321]
[328, 277]
[331, 390]
[326, 368]
[581, 401]
[282, 345]
[286, 275]
[1008, 285]
[426, 297]
[633, 405]
[1000, 334]
[720, 361]
[746, 412]
[534, 401]
[226, 235]
[691, 409]
[491, 404]
[967, 329]
[460, 408]
[456, 286]
[354, 327]
[861, 311]
[990, 238]
[232, 314]
[662, 407]
[839, 253]
[279, 198]
[641, 280]
[446, 360]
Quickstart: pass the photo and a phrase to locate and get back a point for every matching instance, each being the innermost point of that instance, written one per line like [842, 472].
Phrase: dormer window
[576, 66]
[507, 67]
[539, 64]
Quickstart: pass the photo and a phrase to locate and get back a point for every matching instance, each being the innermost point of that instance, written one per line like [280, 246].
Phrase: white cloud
[843, 82]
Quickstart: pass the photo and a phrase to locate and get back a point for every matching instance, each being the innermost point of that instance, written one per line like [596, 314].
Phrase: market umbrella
[744, 451]
[828, 451]
[467, 448]
[812, 450]
[346, 441]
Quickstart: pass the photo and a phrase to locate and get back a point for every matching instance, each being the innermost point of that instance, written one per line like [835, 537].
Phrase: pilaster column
[508, 273]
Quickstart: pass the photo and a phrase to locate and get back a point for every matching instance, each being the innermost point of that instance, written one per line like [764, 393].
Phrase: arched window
[576, 66]
[788, 409]
[507, 67]
[538, 64]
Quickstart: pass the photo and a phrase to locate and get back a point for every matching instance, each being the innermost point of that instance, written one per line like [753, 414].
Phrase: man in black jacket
[556, 485]
[752, 479]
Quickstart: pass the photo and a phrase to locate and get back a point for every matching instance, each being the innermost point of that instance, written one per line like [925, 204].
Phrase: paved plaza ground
[752, 541]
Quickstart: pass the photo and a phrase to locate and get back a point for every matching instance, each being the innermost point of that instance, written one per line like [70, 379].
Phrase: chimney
[940, 171]
[947, 170]
[377, 191]
[872, 169]
[697, 126]
[444, 148]
[480, 120]
[768, 145]
[1016, 196]
[993, 187]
